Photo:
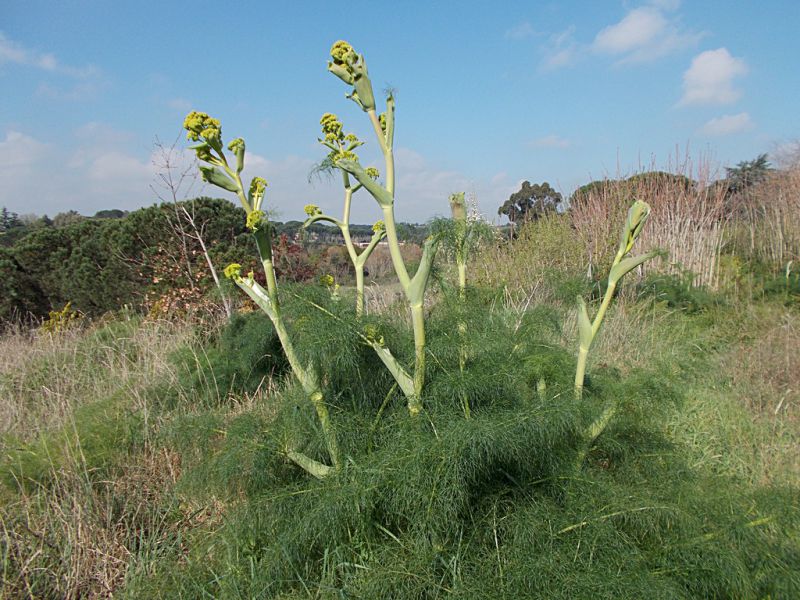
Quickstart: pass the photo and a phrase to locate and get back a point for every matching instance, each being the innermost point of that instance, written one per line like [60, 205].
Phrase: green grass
[178, 474]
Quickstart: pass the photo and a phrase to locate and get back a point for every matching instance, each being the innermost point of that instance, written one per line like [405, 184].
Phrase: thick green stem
[462, 363]
[580, 372]
[311, 466]
[401, 376]
[328, 431]
[305, 375]
[593, 432]
[359, 290]
[601, 313]
[462, 279]
[394, 248]
[386, 146]
[418, 322]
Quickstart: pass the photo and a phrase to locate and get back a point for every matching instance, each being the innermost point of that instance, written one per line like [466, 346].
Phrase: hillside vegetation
[602, 404]
[142, 456]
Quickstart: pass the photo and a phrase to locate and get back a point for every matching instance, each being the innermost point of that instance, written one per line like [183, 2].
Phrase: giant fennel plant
[218, 169]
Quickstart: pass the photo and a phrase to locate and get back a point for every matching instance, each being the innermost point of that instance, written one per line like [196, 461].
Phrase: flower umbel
[254, 219]
[312, 210]
[350, 67]
[233, 271]
[202, 128]
[256, 193]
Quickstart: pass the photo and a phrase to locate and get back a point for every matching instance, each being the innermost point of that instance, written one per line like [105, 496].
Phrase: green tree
[747, 173]
[530, 202]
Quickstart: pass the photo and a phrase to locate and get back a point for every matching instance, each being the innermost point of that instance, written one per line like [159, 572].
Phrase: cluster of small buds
[327, 280]
[345, 155]
[348, 66]
[200, 127]
[373, 173]
[257, 188]
[254, 219]
[379, 227]
[233, 271]
[373, 335]
[382, 121]
[342, 53]
[236, 145]
[312, 210]
[331, 128]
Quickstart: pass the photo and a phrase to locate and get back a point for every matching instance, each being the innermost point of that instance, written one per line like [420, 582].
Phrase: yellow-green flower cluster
[373, 335]
[233, 271]
[258, 186]
[342, 53]
[236, 145]
[382, 121]
[373, 173]
[312, 210]
[254, 219]
[331, 128]
[200, 126]
[379, 226]
[345, 155]
[327, 280]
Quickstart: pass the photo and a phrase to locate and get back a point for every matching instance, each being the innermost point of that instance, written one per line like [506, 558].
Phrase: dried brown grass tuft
[76, 538]
[688, 221]
[767, 218]
[44, 376]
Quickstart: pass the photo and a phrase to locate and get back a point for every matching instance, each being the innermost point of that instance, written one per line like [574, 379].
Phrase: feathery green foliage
[489, 507]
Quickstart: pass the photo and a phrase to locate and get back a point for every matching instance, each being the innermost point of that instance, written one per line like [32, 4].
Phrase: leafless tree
[174, 182]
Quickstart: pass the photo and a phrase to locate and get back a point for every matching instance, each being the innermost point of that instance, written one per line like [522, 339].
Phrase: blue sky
[488, 94]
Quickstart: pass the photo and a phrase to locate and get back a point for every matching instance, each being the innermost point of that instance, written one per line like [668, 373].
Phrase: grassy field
[140, 458]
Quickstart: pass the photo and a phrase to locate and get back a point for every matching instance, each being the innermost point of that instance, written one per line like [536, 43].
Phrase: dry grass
[73, 532]
[688, 221]
[531, 267]
[768, 219]
[77, 537]
[44, 376]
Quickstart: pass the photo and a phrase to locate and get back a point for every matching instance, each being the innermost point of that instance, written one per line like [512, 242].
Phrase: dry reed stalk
[687, 219]
[770, 211]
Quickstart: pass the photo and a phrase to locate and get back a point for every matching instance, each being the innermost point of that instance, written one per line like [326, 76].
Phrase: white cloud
[520, 31]
[18, 152]
[709, 79]
[14, 53]
[551, 141]
[727, 124]
[561, 51]
[97, 167]
[180, 104]
[638, 28]
[644, 34]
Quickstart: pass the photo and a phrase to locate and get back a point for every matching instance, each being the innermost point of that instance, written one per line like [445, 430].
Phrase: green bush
[240, 359]
[487, 507]
[99, 435]
[678, 292]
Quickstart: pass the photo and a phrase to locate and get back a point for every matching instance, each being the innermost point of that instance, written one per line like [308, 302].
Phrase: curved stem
[601, 313]
[394, 248]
